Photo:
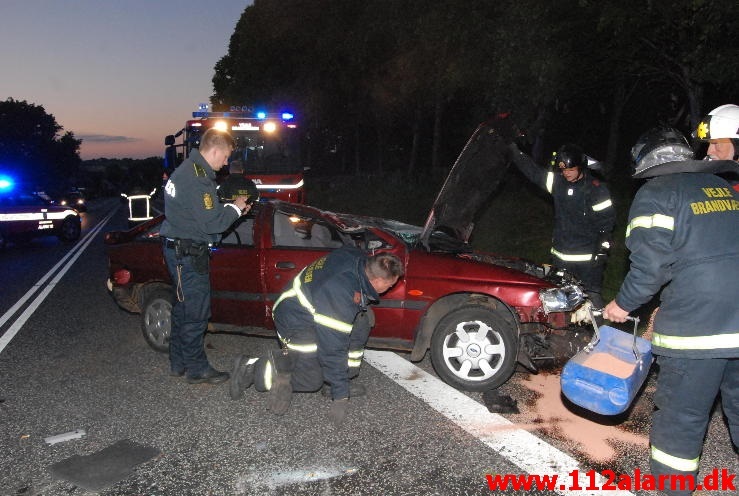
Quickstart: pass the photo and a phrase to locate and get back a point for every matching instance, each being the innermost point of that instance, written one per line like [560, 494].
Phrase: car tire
[71, 229]
[156, 318]
[474, 348]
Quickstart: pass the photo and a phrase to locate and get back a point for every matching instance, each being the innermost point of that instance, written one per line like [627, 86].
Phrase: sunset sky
[119, 74]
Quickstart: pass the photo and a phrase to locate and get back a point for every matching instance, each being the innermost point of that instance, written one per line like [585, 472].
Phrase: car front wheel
[71, 229]
[474, 348]
[156, 318]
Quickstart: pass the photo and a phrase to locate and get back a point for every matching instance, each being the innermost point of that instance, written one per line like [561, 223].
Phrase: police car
[27, 215]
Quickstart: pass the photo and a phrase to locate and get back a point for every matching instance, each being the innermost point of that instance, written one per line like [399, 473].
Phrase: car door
[23, 214]
[295, 241]
[237, 296]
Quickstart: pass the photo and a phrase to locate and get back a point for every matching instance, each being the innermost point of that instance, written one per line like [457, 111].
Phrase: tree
[31, 146]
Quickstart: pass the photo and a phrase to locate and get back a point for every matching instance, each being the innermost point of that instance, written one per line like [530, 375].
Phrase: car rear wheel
[473, 348]
[156, 318]
[71, 229]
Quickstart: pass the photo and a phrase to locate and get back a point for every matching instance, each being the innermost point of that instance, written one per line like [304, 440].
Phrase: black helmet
[568, 156]
[657, 146]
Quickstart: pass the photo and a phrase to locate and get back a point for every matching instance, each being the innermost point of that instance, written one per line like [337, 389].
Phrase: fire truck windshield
[262, 152]
[264, 147]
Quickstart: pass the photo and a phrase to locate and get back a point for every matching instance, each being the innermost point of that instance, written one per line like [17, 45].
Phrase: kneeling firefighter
[323, 322]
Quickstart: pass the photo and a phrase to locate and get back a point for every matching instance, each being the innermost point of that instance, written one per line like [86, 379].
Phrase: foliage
[399, 86]
[31, 146]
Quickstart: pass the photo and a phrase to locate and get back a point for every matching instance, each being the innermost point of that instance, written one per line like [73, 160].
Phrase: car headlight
[563, 299]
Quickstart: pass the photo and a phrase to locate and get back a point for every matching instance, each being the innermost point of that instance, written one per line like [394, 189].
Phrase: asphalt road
[77, 361]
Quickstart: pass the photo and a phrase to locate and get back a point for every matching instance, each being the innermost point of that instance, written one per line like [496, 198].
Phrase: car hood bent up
[475, 175]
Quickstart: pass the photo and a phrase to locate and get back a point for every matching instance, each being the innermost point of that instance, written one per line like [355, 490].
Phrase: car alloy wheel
[156, 318]
[474, 347]
[71, 229]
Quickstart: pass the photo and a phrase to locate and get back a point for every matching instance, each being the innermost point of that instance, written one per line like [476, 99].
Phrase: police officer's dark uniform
[323, 323]
[583, 217]
[194, 220]
[683, 232]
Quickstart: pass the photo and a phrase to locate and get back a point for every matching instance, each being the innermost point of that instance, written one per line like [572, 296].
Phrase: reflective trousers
[686, 391]
[189, 316]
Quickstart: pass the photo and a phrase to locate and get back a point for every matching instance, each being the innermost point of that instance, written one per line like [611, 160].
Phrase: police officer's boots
[281, 391]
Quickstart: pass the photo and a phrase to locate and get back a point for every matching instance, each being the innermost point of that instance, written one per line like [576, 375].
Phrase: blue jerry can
[605, 376]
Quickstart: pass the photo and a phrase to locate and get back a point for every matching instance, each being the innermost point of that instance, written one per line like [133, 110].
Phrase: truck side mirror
[170, 158]
[169, 140]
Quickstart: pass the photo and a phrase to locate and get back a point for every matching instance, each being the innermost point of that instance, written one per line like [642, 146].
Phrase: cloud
[104, 138]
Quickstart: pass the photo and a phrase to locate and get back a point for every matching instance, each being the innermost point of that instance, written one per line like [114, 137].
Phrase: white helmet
[721, 122]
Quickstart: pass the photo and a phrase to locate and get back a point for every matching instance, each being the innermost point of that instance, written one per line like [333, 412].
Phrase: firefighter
[720, 129]
[583, 214]
[323, 322]
[194, 221]
[682, 233]
[237, 184]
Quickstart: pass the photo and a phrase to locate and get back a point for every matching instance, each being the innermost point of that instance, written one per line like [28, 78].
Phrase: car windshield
[23, 199]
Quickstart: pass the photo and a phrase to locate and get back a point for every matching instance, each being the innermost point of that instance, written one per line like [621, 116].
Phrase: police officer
[194, 220]
[323, 323]
[583, 214]
[682, 233]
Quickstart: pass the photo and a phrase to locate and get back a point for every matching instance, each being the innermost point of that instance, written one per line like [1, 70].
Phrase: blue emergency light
[261, 115]
[286, 116]
[6, 184]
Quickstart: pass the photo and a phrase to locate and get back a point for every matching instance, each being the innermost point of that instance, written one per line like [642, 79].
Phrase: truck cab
[268, 144]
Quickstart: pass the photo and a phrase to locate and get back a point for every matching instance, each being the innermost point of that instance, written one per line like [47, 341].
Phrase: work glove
[337, 412]
[603, 247]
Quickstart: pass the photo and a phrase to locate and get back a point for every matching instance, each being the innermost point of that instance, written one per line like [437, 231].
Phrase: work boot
[281, 392]
[355, 390]
[242, 376]
[210, 376]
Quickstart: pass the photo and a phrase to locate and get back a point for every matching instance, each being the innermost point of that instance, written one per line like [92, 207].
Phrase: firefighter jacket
[191, 203]
[683, 232]
[583, 212]
[326, 297]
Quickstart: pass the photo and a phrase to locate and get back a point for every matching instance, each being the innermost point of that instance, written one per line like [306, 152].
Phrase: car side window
[291, 231]
[241, 233]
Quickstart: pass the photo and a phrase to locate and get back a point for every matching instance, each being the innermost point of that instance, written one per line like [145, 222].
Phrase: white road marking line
[67, 261]
[520, 447]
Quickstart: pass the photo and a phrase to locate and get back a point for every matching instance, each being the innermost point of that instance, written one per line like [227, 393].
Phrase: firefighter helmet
[568, 156]
[721, 123]
[657, 146]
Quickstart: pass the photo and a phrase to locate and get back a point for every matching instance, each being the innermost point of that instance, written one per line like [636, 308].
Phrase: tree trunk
[415, 142]
[380, 149]
[357, 160]
[436, 146]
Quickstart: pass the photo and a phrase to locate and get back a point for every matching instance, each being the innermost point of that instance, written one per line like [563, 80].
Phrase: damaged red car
[479, 314]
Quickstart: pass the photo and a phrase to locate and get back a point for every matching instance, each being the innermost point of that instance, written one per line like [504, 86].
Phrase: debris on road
[60, 438]
[499, 403]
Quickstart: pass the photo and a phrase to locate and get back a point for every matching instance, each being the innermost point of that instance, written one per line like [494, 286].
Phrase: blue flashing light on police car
[286, 116]
[261, 115]
[6, 184]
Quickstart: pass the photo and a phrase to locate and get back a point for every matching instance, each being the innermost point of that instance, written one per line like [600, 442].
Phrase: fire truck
[267, 144]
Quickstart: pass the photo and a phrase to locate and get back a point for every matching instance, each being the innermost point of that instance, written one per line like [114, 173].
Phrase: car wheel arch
[441, 307]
